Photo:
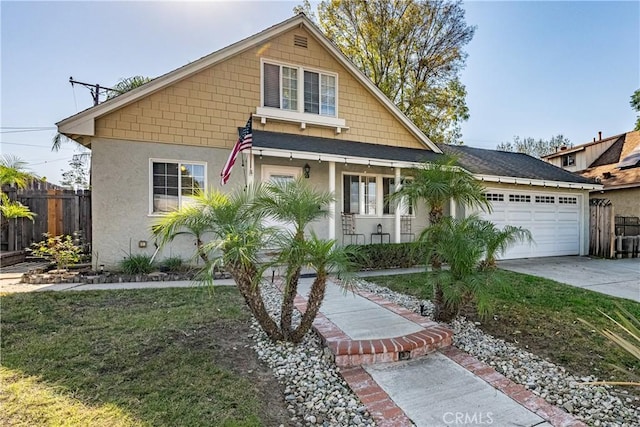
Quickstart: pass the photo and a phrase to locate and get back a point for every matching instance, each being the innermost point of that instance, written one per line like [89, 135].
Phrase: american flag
[244, 142]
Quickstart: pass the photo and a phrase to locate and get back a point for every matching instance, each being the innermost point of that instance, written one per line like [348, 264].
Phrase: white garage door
[554, 221]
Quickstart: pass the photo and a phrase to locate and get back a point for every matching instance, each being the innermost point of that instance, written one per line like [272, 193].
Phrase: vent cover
[300, 41]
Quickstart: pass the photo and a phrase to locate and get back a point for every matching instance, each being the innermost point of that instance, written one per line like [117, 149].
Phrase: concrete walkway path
[439, 388]
[616, 277]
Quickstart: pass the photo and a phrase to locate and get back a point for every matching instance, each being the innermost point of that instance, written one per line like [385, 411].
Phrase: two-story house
[314, 114]
[614, 162]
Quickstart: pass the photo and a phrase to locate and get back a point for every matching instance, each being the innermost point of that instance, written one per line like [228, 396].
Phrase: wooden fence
[601, 228]
[57, 212]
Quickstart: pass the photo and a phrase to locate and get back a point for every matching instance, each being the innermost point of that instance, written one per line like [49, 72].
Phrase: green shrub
[388, 255]
[173, 264]
[59, 249]
[137, 264]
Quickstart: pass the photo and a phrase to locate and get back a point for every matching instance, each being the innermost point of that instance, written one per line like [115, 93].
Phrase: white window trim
[379, 197]
[304, 119]
[284, 170]
[179, 162]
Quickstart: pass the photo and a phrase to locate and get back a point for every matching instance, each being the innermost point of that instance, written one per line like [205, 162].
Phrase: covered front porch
[361, 176]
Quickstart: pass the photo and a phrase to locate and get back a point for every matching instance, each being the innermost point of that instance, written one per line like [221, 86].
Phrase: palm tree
[239, 241]
[435, 184]
[14, 172]
[122, 86]
[460, 244]
[299, 204]
[497, 241]
[438, 182]
[192, 220]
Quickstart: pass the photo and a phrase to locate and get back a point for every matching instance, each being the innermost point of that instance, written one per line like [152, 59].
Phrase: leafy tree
[77, 176]
[239, 241]
[534, 148]
[122, 86]
[13, 209]
[412, 50]
[635, 104]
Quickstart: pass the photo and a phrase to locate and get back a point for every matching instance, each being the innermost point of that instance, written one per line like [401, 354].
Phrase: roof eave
[538, 182]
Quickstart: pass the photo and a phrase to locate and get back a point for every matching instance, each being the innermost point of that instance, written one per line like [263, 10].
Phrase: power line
[20, 143]
[27, 130]
[27, 127]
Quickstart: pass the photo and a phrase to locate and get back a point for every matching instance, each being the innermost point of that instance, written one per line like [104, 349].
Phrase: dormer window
[569, 160]
[282, 84]
[299, 94]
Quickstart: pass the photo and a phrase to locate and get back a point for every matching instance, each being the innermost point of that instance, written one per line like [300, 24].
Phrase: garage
[554, 220]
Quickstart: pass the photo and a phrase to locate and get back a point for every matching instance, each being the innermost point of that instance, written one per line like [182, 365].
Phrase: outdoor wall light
[379, 228]
[290, 157]
[306, 169]
[142, 244]
[260, 154]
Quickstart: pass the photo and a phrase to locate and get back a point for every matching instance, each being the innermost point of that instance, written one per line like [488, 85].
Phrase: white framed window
[369, 195]
[297, 94]
[388, 188]
[360, 195]
[281, 85]
[173, 183]
[569, 160]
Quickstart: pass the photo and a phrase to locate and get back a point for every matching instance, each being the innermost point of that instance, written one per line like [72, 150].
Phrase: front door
[275, 174]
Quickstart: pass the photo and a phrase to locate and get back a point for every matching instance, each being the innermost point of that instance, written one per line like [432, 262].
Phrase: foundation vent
[300, 41]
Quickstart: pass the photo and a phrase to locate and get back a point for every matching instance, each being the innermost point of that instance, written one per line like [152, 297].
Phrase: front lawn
[541, 316]
[124, 358]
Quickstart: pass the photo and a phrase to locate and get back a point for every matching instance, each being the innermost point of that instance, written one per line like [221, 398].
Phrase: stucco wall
[120, 195]
[205, 109]
[626, 202]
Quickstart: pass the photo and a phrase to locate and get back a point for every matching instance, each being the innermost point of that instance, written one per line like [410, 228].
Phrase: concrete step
[375, 330]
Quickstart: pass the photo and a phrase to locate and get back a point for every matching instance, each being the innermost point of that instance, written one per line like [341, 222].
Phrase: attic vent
[300, 41]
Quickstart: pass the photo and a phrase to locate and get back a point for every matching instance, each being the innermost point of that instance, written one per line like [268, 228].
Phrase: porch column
[332, 204]
[452, 208]
[397, 236]
[250, 166]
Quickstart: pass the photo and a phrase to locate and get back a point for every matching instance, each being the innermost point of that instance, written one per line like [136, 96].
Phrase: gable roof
[83, 123]
[493, 163]
[606, 167]
[580, 147]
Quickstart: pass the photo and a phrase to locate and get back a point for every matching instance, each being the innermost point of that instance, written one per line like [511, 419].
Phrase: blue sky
[535, 69]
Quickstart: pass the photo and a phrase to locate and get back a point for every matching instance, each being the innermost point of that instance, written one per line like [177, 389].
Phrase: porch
[361, 176]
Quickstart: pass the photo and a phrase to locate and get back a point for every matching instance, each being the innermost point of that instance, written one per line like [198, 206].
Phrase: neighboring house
[615, 163]
[312, 110]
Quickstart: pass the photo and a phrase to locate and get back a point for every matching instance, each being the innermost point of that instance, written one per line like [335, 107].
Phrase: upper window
[569, 160]
[519, 198]
[299, 90]
[174, 184]
[494, 197]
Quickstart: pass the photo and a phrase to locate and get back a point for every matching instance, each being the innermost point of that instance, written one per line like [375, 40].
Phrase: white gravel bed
[315, 393]
[595, 405]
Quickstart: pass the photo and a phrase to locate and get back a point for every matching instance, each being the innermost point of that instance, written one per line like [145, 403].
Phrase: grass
[128, 358]
[541, 316]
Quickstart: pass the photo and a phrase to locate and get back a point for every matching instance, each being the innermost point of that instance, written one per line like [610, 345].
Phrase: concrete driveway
[617, 277]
